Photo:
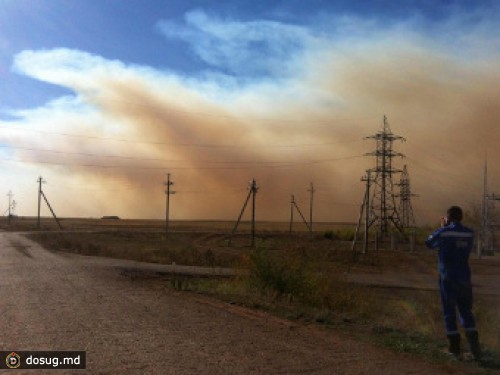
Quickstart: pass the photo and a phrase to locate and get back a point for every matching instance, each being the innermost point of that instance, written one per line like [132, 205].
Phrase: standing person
[455, 242]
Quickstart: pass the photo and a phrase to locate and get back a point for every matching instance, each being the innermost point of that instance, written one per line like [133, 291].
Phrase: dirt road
[51, 301]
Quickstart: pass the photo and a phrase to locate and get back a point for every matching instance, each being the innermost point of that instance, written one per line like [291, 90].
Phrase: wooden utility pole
[254, 196]
[364, 209]
[251, 193]
[51, 210]
[486, 239]
[311, 191]
[367, 210]
[10, 205]
[40, 195]
[168, 192]
[40, 182]
[294, 204]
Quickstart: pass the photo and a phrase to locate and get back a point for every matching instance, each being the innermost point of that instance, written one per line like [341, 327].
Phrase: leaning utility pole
[168, 193]
[383, 204]
[252, 192]
[294, 205]
[42, 194]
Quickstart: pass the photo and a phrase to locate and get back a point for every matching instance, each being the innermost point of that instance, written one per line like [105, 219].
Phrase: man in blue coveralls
[455, 243]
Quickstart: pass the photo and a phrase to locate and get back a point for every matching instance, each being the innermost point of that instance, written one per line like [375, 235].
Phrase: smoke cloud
[299, 115]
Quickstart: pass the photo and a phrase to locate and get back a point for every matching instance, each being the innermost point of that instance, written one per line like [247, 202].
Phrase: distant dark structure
[112, 217]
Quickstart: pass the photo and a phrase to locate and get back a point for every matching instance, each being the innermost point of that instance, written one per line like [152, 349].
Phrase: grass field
[290, 275]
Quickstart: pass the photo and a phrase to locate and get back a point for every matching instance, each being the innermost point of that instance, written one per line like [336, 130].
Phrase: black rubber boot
[454, 344]
[473, 339]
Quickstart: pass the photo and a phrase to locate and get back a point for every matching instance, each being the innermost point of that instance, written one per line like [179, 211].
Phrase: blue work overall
[455, 243]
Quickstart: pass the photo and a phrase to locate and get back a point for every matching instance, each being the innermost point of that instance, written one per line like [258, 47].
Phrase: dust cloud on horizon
[106, 149]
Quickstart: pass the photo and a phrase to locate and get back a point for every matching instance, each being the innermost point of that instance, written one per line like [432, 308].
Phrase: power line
[183, 144]
[148, 167]
[445, 178]
[149, 159]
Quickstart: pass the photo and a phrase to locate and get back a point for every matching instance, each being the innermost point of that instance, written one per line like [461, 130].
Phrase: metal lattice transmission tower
[383, 208]
[405, 208]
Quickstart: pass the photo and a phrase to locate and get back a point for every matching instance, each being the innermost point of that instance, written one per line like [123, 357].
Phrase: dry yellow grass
[294, 276]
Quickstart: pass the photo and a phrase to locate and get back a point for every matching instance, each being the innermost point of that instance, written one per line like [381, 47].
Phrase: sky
[103, 98]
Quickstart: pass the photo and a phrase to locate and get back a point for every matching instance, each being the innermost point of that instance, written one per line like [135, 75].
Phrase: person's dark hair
[455, 213]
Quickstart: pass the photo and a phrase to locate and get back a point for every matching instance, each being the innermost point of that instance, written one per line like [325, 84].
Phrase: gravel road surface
[53, 301]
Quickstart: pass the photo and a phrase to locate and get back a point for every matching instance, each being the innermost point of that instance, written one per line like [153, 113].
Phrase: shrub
[292, 276]
[342, 234]
[330, 235]
[345, 234]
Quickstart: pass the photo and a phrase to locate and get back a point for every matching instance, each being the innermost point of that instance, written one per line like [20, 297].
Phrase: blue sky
[88, 86]
[130, 31]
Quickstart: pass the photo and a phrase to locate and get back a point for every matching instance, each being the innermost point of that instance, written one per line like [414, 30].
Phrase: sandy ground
[52, 301]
